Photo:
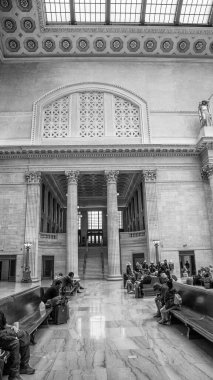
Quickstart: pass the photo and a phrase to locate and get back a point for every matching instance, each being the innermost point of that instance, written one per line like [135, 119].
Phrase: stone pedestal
[33, 220]
[151, 213]
[72, 222]
[114, 269]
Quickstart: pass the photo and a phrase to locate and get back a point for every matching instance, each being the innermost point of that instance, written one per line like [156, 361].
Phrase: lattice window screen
[91, 114]
[126, 118]
[56, 119]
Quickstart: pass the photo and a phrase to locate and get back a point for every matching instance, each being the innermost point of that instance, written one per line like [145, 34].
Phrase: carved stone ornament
[112, 176]
[149, 175]
[33, 178]
[72, 176]
[206, 172]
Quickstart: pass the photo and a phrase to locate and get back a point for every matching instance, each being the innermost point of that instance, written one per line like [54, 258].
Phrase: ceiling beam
[143, 12]
[72, 12]
[178, 12]
[107, 10]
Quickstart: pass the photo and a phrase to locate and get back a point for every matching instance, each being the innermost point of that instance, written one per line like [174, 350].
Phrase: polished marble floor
[113, 336]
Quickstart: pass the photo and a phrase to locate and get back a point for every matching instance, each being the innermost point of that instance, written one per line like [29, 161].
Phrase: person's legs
[14, 360]
[164, 315]
[159, 306]
[25, 354]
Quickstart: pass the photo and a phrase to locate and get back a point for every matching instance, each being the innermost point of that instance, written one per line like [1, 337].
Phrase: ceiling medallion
[211, 47]
[199, 46]
[65, 44]
[150, 44]
[83, 44]
[9, 25]
[5, 5]
[48, 44]
[13, 45]
[133, 45]
[183, 45]
[24, 5]
[28, 24]
[99, 44]
[116, 44]
[31, 44]
[167, 45]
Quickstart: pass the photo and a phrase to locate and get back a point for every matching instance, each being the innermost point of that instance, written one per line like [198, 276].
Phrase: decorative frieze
[206, 172]
[111, 176]
[72, 176]
[33, 178]
[149, 175]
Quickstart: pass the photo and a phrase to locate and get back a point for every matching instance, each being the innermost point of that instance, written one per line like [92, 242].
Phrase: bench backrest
[21, 305]
[196, 298]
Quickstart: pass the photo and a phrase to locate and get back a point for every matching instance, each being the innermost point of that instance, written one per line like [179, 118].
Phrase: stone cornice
[145, 150]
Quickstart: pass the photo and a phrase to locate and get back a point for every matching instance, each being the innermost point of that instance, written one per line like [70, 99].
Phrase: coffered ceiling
[139, 28]
[92, 188]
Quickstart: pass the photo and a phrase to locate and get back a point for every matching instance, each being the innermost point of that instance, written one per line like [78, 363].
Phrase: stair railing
[102, 262]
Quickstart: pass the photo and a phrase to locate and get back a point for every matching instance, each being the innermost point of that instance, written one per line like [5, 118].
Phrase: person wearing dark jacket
[52, 293]
[17, 342]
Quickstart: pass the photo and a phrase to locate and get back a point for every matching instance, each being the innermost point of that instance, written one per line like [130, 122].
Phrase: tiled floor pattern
[113, 336]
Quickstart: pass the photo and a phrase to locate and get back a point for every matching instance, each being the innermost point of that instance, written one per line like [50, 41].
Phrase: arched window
[89, 113]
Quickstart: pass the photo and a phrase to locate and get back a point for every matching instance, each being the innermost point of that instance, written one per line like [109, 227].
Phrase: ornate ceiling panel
[93, 187]
[24, 34]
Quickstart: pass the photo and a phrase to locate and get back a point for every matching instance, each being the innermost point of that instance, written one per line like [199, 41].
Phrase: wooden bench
[25, 307]
[196, 311]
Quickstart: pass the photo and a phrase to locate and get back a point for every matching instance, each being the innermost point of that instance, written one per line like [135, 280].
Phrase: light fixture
[156, 244]
[27, 272]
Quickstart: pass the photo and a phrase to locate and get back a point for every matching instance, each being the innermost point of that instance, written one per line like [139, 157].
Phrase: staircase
[93, 263]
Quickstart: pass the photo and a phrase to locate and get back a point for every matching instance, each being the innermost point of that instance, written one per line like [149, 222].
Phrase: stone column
[114, 269]
[151, 213]
[140, 209]
[207, 176]
[33, 220]
[72, 222]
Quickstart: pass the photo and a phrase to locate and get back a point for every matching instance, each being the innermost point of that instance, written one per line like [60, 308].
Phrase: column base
[114, 278]
[36, 279]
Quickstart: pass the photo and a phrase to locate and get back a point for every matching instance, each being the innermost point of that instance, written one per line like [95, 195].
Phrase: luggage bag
[61, 314]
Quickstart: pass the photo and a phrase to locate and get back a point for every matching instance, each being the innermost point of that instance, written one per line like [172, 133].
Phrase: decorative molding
[206, 171]
[138, 150]
[149, 175]
[33, 178]
[72, 176]
[111, 176]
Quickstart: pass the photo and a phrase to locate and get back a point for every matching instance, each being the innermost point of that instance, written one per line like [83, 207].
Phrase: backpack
[177, 299]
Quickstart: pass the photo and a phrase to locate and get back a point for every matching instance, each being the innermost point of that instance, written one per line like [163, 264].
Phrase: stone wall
[172, 90]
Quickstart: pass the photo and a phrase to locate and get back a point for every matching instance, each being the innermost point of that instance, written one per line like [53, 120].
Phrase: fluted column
[72, 222]
[151, 213]
[140, 209]
[33, 220]
[207, 176]
[114, 269]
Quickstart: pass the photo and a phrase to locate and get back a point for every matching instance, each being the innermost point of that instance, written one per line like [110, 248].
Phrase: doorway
[47, 268]
[8, 268]
[137, 257]
[187, 258]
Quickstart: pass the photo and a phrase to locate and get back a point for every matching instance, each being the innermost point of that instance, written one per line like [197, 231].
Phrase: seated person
[69, 282]
[160, 290]
[130, 284]
[152, 267]
[17, 342]
[168, 303]
[52, 294]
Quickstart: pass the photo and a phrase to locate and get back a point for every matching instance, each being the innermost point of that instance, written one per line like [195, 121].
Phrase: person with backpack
[172, 301]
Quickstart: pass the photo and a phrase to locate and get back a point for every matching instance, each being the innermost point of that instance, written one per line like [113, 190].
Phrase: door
[8, 268]
[187, 259]
[137, 257]
[47, 267]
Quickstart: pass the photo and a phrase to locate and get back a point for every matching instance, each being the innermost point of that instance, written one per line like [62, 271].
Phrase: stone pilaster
[207, 176]
[114, 269]
[33, 219]
[150, 208]
[140, 209]
[72, 222]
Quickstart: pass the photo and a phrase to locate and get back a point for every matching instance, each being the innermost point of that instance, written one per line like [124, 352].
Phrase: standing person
[187, 265]
[17, 342]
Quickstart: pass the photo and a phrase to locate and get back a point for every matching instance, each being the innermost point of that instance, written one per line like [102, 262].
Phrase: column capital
[33, 178]
[149, 175]
[206, 171]
[111, 176]
[72, 176]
